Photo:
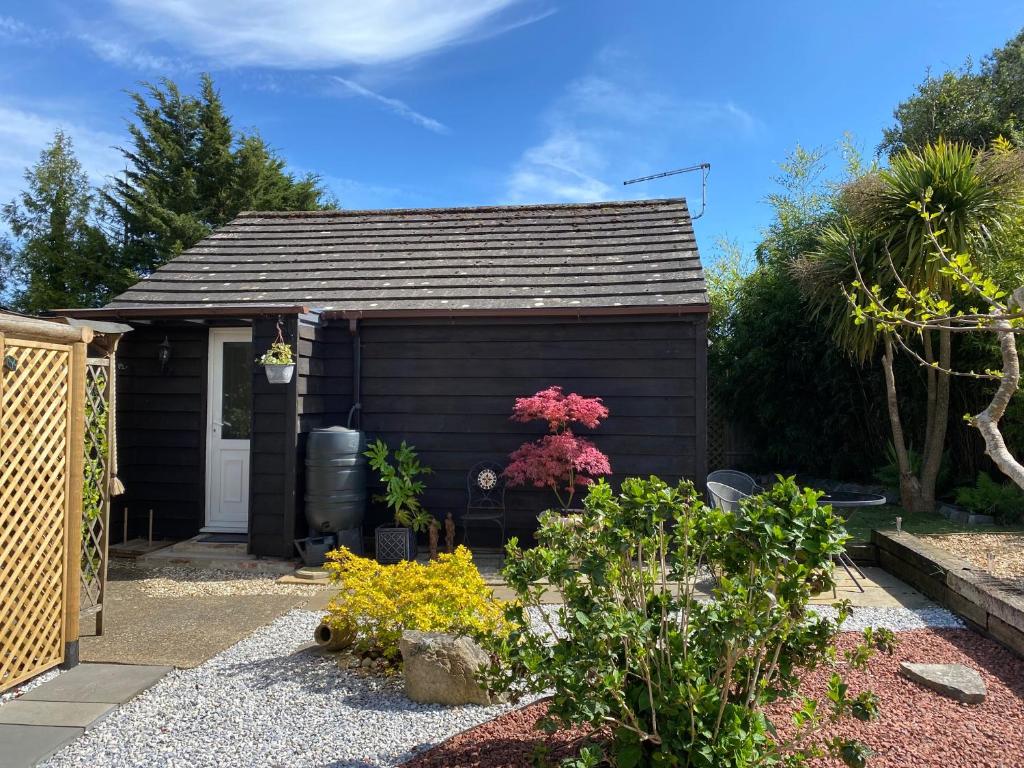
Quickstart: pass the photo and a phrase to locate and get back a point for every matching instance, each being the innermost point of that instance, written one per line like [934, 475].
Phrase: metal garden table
[845, 504]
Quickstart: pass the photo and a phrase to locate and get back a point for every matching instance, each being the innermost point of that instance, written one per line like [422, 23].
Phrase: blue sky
[474, 102]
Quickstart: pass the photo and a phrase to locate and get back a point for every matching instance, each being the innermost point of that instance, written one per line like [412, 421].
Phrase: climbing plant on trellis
[96, 492]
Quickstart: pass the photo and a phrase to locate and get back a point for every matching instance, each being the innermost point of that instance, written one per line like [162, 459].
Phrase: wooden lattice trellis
[716, 434]
[40, 480]
[96, 496]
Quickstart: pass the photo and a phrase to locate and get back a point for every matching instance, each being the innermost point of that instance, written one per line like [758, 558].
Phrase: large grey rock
[441, 668]
[953, 680]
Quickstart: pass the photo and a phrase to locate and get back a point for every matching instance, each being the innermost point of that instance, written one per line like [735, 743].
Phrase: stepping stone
[107, 683]
[73, 714]
[22, 746]
[953, 680]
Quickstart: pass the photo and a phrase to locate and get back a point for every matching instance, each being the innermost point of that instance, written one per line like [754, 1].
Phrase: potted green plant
[402, 488]
[278, 362]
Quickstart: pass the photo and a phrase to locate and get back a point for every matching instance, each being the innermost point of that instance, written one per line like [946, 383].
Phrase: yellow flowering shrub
[377, 602]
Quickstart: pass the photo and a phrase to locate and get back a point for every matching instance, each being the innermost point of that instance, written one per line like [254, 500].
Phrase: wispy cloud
[312, 34]
[562, 167]
[396, 106]
[128, 56]
[14, 30]
[610, 125]
[106, 48]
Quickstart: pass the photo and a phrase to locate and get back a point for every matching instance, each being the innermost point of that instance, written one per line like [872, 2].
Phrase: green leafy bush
[1004, 501]
[673, 680]
[402, 488]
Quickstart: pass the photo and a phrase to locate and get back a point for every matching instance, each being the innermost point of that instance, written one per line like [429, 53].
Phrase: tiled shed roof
[623, 255]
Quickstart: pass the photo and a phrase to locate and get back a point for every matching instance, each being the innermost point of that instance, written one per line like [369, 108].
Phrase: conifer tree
[261, 182]
[59, 257]
[187, 172]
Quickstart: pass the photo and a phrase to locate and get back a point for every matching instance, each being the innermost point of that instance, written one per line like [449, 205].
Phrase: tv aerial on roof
[702, 167]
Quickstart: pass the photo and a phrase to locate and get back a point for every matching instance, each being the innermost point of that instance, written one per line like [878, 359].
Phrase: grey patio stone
[75, 714]
[110, 683]
[22, 746]
[953, 680]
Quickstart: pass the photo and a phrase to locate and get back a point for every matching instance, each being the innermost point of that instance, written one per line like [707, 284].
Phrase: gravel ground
[270, 700]
[180, 581]
[917, 727]
[266, 701]
[1001, 554]
[896, 619]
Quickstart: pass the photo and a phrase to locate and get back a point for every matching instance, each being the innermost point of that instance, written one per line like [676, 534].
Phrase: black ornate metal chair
[485, 505]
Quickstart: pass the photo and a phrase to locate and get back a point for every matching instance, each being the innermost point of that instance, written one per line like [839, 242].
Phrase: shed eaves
[638, 254]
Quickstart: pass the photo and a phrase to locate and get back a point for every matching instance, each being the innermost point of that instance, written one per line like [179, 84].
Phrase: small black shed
[434, 320]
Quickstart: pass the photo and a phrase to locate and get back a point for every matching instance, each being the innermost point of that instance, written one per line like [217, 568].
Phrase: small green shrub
[675, 680]
[1004, 501]
[402, 488]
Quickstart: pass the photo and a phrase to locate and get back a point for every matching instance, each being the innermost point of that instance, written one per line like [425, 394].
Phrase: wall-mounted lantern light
[163, 354]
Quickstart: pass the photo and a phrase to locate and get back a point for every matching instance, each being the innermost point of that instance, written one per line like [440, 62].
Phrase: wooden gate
[42, 383]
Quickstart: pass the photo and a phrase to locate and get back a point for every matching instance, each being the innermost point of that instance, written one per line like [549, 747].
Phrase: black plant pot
[394, 545]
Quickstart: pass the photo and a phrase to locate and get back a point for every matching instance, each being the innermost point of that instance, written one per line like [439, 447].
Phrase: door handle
[221, 424]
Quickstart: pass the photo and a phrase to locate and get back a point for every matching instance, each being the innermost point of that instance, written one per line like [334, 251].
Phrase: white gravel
[269, 701]
[896, 619]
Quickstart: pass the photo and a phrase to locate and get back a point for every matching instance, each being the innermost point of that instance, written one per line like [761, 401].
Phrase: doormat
[223, 538]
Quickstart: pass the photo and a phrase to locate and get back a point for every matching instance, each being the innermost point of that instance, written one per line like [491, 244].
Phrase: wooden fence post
[76, 473]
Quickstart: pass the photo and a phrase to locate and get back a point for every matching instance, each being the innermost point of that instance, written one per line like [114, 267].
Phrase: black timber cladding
[445, 386]
[161, 431]
[273, 450]
[639, 254]
[448, 388]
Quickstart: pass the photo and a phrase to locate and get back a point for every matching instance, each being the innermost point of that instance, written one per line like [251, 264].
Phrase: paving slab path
[155, 619]
[38, 723]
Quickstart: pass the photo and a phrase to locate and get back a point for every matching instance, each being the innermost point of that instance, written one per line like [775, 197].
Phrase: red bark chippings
[917, 727]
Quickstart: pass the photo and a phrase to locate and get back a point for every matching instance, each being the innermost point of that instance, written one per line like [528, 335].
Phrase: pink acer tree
[560, 460]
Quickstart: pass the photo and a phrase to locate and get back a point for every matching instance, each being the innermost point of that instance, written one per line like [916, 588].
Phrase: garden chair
[725, 497]
[741, 481]
[485, 505]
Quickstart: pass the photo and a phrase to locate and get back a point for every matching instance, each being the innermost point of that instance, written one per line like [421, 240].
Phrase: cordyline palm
[978, 195]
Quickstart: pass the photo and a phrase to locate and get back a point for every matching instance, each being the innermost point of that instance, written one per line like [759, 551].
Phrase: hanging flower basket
[279, 374]
[278, 361]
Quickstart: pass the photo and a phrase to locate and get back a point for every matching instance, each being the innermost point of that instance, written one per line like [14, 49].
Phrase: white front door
[228, 428]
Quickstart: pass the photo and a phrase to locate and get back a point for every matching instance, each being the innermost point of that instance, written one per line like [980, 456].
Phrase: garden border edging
[976, 596]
